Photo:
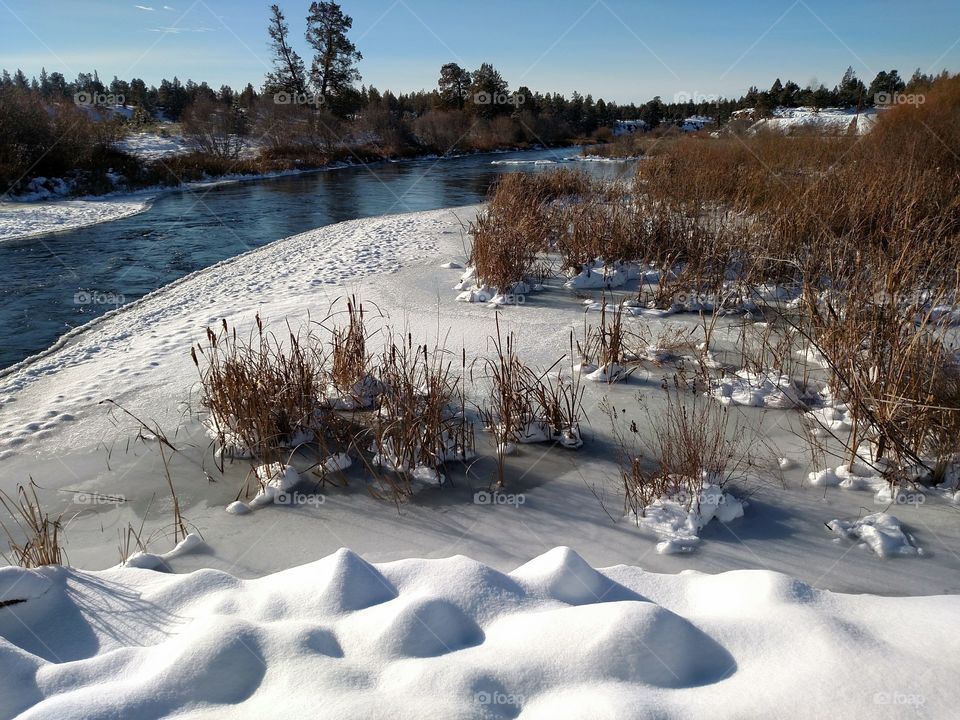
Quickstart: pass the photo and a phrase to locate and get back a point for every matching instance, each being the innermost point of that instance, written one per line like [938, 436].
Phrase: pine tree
[333, 70]
[45, 88]
[851, 91]
[288, 74]
[486, 90]
[454, 85]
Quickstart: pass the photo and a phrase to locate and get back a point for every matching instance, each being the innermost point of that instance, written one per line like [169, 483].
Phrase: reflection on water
[58, 282]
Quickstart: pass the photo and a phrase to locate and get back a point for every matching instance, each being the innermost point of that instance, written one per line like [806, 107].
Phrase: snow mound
[21, 584]
[563, 575]
[678, 519]
[880, 532]
[150, 561]
[343, 638]
[599, 275]
[769, 389]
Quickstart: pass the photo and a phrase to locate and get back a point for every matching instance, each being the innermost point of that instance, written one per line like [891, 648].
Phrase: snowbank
[827, 120]
[453, 638]
[20, 220]
[153, 146]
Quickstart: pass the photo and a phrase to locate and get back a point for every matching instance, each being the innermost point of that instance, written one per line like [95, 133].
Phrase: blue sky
[625, 50]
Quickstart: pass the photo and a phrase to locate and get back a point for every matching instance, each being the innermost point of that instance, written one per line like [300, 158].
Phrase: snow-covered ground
[20, 220]
[425, 630]
[154, 146]
[829, 120]
[454, 638]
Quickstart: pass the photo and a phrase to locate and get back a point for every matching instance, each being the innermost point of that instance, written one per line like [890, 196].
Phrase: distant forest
[309, 115]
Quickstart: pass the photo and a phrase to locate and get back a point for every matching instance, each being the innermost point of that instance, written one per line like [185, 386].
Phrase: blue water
[57, 282]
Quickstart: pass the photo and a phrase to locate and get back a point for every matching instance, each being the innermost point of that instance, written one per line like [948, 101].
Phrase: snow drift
[454, 638]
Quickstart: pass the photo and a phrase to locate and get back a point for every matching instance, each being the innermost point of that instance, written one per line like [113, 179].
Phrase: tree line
[317, 110]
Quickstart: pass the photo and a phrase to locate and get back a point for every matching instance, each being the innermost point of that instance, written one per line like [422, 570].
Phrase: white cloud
[167, 7]
[143, 7]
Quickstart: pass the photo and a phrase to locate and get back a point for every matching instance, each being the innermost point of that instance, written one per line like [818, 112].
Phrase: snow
[766, 389]
[21, 220]
[737, 613]
[829, 120]
[152, 146]
[148, 561]
[553, 638]
[881, 532]
[600, 275]
[677, 520]
[19, 585]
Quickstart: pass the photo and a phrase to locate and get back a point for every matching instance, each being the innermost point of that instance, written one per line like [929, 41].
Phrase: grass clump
[36, 538]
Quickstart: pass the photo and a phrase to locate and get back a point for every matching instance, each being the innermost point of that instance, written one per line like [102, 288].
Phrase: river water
[55, 283]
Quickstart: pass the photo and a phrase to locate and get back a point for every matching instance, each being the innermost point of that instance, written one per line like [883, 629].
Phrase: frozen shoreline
[138, 356]
[340, 618]
[23, 220]
[29, 219]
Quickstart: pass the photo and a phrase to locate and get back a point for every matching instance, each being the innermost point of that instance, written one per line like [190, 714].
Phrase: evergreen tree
[58, 85]
[885, 86]
[288, 74]
[851, 91]
[454, 85]
[486, 89]
[333, 70]
[138, 93]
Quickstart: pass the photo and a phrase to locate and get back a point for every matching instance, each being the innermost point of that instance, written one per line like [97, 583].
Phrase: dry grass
[867, 226]
[260, 394]
[525, 404]
[267, 400]
[36, 538]
[693, 443]
[421, 422]
[350, 360]
[608, 345]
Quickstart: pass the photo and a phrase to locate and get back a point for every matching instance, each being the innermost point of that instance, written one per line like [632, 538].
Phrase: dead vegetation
[694, 442]
[403, 413]
[260, 394]
[35, 538]
[863, 230]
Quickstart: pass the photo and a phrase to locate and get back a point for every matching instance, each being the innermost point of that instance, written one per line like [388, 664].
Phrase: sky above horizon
[622, 50]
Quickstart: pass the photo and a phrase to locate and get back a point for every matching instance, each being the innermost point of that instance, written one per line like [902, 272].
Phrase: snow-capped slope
[827, 120]
[341, 638]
